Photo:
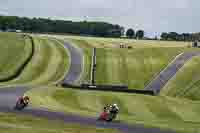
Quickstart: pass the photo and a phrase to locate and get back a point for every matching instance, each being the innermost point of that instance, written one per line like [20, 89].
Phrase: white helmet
[115, 105]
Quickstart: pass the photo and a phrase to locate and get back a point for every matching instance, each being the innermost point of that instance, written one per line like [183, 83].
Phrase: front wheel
[20, 106]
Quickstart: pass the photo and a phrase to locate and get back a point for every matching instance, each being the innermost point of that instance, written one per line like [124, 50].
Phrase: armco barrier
[105, 86]
[24, 64]
[109, 88]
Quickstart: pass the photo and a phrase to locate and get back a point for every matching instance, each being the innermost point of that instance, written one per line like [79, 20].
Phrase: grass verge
[12, 123]
[134, 67]
[48, 65]
[15, 50]
[186, 82]
[164, 112]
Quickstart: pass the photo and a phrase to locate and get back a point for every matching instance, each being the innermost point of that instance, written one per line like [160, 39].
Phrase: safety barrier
[110, 88]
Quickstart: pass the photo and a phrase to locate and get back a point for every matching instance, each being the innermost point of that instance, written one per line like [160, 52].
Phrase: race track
[162, 78]
[76, 64]
[9, 95]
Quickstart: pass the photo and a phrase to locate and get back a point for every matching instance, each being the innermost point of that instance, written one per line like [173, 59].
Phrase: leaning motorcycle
[21, 105]
[107, 116]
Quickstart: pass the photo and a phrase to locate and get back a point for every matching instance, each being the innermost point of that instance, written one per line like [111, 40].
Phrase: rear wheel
[111, 117]
[103, 116]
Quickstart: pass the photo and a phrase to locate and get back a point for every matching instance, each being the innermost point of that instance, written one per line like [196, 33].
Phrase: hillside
[164, 112]
[48, 65]
[15, 50]
[134, 67]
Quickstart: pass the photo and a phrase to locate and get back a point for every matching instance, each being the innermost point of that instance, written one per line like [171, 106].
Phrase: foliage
[41, 25]
[130, 33]
[180, 37]
[140, 34]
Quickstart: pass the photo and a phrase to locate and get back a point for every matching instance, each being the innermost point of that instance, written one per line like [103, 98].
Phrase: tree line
[173, 36]
[102, 29]
[41, 25]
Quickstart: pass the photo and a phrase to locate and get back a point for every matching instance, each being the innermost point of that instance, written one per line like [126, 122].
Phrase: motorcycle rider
[23, 100]
[114, 108]
[105, 113]
[109, 112]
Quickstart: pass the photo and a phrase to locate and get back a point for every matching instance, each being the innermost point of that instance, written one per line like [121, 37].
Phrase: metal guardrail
[110, 88]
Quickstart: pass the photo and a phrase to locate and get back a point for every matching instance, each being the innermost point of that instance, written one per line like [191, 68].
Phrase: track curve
[76, 64]
[162, 78]
[9, 95]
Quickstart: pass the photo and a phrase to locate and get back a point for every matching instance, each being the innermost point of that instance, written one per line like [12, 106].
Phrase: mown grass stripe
[185, 83]
[182, 115]
[48, 65]
[14, 123]
[13, 64]
[160, 110]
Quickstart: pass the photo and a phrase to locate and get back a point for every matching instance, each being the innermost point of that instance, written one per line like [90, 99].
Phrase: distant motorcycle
[107, 115]
[21, 103]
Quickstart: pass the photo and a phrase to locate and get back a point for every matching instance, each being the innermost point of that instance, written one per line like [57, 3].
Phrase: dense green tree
[140, 34]
[164, 36]
[42, 25]
[130, 33]
[173, 36]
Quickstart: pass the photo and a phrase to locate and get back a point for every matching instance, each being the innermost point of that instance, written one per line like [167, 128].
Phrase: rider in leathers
[114, 109]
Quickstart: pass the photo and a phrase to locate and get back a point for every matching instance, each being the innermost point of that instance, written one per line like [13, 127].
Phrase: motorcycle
[21, 104]
[107, 116]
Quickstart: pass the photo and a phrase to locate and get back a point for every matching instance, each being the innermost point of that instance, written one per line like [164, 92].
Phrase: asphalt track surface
[9, 95]
[161, 79]
[76, 65]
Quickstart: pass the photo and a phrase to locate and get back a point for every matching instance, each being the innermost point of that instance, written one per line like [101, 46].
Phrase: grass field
[11, 123]
[164, 112]
[115, 42]
[48, 65]
[186, 82]
[135, 67]
[15, 50]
